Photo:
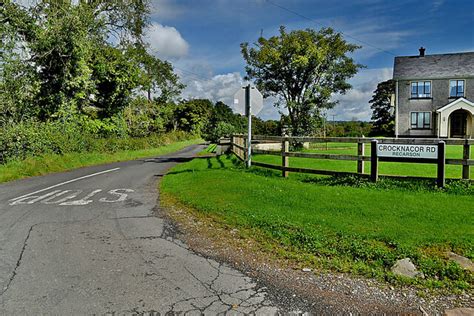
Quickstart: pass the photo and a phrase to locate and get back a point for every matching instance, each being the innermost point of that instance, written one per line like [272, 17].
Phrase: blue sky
[202, 37]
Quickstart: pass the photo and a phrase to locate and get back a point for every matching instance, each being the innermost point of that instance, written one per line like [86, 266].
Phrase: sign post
[374, 161]
[249, 132]
[441, 164]
[248, 101]
[433, 154]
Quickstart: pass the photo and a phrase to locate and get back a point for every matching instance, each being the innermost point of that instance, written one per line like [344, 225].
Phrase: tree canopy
[302, 69]
[64, 57]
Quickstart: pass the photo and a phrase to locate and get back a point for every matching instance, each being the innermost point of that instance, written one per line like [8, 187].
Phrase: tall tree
[78, 55]
[192, 116]
[303, 69]
[383, 116]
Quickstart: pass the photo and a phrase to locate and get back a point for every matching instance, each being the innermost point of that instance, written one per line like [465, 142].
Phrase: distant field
[344, 228]
[385, 168]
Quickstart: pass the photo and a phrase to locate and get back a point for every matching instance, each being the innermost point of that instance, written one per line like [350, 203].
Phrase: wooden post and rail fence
[409, 150]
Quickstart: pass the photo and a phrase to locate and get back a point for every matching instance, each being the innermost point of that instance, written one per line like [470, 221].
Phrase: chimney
[422, 51]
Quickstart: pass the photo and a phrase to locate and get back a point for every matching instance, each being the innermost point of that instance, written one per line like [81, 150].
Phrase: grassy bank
[41, 165]
[355, 228]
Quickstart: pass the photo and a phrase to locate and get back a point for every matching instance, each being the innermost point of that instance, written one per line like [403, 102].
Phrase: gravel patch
[300, 289]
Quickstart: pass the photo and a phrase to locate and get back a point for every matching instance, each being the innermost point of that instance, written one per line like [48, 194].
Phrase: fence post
[465, 156]
[374, 161]
[360, 154]
[241, 143]
[232, 144]
[245, 151]
[285, 147]
[441, 164]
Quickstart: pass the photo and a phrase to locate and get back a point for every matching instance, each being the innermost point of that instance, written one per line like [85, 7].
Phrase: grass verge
[343, 227]
[41, 165]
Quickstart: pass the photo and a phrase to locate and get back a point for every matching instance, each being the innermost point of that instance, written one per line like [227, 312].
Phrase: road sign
[248, 100]
[256, 101]
[407, 151]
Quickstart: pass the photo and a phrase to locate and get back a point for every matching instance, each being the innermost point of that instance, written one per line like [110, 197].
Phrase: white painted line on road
[66, 182]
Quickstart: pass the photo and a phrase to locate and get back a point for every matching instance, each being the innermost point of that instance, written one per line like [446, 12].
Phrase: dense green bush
[32, 138]
[222, 129]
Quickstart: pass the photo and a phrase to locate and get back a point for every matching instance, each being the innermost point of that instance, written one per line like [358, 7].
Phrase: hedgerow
[32, 138]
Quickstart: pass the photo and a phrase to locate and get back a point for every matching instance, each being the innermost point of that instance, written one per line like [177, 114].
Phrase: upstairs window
[420, 120]
[456, 88]
[421, 89]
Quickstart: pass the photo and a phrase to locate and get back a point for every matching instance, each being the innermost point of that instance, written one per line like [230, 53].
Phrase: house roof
[461, 101]
[456, 65]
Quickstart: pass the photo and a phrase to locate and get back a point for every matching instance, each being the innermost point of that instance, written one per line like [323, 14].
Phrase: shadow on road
[170, 159]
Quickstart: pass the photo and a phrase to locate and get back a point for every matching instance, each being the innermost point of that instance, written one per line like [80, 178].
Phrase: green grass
[385, 168]
[36, 166]
[363, 229]
[211, 149]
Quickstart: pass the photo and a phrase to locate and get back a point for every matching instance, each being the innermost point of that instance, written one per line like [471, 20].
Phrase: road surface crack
[18, 262]
[25, 242]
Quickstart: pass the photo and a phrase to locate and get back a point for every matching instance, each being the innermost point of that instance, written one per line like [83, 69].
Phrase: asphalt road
[88, 242]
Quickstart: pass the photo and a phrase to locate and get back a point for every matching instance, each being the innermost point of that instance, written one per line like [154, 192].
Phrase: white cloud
[217, 88]
[166, 41]
[355, 103]
[222, 88]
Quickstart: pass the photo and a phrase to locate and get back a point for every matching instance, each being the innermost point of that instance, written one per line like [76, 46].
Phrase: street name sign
[407, 151]
[412, 153]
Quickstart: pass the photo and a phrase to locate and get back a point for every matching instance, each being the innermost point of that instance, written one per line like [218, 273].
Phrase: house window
[456, 88]
[420, 120]
[420, 89]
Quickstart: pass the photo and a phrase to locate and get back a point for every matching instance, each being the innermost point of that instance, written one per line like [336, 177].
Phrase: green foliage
[222, 129]
[223, 122]
[269, 127]
[348, 129]
[457, 187]
[303, 69]
[18, 80]
[192, 116]
[110, 127]
[71, 75]
[58, 60]
[48, 163]
[115, 74]
[33, 138]
[383, 115]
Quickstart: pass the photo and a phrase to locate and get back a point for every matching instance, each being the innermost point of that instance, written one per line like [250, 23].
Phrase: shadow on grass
[219, 160]
[457, 187]
[211, 164]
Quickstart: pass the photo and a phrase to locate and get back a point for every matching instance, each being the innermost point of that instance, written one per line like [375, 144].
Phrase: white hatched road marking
[66, 182]
[119, 195]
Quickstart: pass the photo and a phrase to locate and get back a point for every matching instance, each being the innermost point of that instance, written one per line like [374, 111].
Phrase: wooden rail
[239, 146]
